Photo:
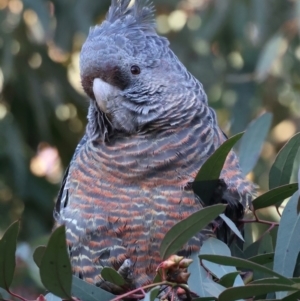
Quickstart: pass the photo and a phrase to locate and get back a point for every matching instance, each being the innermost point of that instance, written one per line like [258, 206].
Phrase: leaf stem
[258, 220]
[140, 289]
[17, 296]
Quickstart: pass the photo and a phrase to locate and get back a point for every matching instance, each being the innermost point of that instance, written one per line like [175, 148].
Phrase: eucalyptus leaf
[89, 292]
[214, 288]
[38, 255]
[51, 297]
[8, 246]
[252, 290]
[292, 297]
[232, 226]
[287, 244]
[179, 234]
[298, 204]
[252, 142]
[198, 277]
[208, 175]
[262, 258]
[281, 170]
[243, 263]
[217, 247]
[270, 53]
[112, 276]
[152, 294]
[228, 279]
[55, 266]
[274, 196]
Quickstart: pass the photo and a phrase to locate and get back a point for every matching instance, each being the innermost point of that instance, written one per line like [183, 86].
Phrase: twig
[141, 289]
[17, 296]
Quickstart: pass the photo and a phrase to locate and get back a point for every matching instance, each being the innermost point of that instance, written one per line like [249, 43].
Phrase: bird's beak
[102, 91]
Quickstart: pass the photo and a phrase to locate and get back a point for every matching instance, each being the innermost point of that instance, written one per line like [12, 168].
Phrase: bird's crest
[140, 15]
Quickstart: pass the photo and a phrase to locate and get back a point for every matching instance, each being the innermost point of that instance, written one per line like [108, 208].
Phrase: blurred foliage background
[245, 52]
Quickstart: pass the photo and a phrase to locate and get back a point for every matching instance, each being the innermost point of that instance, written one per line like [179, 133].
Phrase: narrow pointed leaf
[262, 258]
[252, 142]
[228, 279]
[273, 280]
[232, 226]
[292, 297]
[112, 276]
[282, 168]
[38, 255]
[243, 263]
[205, 299]
[55, 267]
[198, 277]
[51, 297]
[251, 290]
[272, 50]
[274, 196]
[287, 244]
[217, 247]
[207, 178]
[152, 294]
[89, 292]
[214, 288]
[179, 234]
[298, 204]
[8, 246]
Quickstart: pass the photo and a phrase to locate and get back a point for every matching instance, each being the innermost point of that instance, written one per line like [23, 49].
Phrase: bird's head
[130, 73]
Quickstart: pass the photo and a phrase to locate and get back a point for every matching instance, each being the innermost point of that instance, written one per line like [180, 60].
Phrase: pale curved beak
[102, 91]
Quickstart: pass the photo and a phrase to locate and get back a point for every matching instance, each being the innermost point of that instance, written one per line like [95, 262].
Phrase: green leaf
[273, 49]
[232, 226]
[282, 168]
[213, 288]
[205, 299]
[217, 247]
[228, 279]
[55, 266]
[89, 292]
[273, 281]
[112, 276]
[265, 247]
[298, 204]
[179, 234]
[8, 246]
[51, 297]
[251, 290]
[252, 249]
[243, 263]
[252, 142]
[262, 258]
[274, 196]
[152, 294]
[292, 297]
[38, 255]
[198, 276]
[208, 175]
[287, 244]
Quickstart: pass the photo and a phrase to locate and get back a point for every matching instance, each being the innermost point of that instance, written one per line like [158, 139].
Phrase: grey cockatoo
[149, 131]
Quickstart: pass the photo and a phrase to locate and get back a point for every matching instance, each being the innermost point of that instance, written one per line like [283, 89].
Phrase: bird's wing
[62, 197]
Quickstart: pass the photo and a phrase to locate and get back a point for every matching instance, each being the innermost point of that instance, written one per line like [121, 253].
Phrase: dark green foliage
[207, 177]
[281, 170]
[55, 266]
[8, 245]
[112, 276]
[177, 236]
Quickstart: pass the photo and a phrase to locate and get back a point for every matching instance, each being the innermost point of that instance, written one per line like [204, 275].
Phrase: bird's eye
[135, 70]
